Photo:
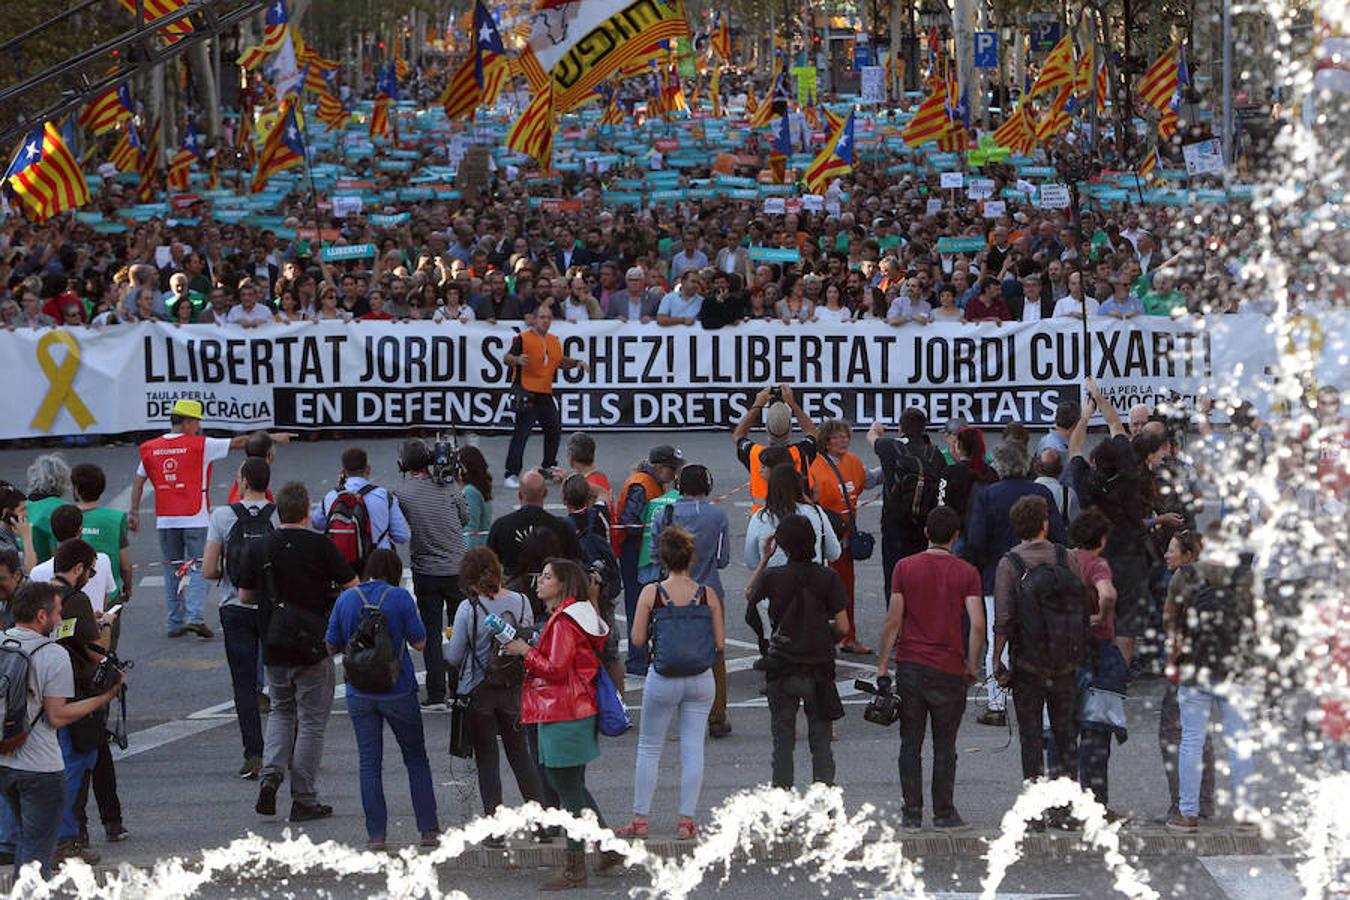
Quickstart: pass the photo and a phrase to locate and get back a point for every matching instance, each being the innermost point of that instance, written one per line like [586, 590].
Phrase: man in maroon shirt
[937, 657]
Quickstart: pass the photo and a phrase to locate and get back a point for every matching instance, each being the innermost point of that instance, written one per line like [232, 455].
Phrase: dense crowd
[1056, 572]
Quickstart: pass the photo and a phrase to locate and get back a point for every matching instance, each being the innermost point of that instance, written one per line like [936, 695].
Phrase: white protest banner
[380, 376]
[1055, 196]
[953, 180]
[994, 208]
[933, 206]
[346, 205]
[1203, 157]
[813, 202]
[873, 84]
[979, 188]
[775, 205]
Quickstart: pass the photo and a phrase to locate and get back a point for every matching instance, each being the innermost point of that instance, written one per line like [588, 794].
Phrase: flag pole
[309, 172]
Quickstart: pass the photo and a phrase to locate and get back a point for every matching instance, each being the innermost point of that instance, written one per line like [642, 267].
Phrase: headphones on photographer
[414, 456]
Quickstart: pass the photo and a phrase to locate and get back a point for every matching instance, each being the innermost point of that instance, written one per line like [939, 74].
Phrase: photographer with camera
[807, 612]
[436, 511]
[778, 407]
[936, 659]
[33, 785]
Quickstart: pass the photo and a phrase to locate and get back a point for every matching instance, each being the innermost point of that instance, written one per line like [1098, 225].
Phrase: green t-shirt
[649, 514]
[40, 516]
[1155, 304]
[105, 530]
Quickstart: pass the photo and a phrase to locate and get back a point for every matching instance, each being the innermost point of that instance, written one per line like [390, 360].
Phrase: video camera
[445, 459]
[884, 707]
[108, 672]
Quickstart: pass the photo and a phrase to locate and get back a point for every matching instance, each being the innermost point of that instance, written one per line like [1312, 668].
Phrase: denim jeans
[534, 408]
[786, 694]
[662, 699]
[438, 596]
[1033, 693]
[302, 698]
[243, 632]
[925, 694]
[494, 714]
[629, 551]
[34, 803]
[175, 546]
[1196, 705]
[996, 696]
[1169, 745]
[78, 765]
[405, 721]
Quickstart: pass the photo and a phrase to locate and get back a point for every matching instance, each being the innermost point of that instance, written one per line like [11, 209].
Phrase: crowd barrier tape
[400, 375]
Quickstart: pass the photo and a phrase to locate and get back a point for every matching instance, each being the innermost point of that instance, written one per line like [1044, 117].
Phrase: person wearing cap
[178, 467]
[535, 357]
[648, 481]
[777, 416]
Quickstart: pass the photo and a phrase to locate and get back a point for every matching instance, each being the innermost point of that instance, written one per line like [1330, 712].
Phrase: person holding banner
[535, 356]
[178, 467]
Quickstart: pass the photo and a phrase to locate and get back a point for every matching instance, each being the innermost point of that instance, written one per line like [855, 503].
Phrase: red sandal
[634, 829]
[686, 830]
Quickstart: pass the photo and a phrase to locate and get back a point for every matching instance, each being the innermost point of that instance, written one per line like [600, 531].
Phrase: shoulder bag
[860, 543]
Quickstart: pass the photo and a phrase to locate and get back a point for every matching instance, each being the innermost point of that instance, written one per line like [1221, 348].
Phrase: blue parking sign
[986, 49]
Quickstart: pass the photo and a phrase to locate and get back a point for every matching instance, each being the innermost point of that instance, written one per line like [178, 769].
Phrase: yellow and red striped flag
[126, 153]
[155, 9]
[252, 57]
[108, 110]
[149, 167]
[331, 112]
[179, 169]
[283, 149]
[379, 118]
[460, 97]
[721, 37]
[274, 28]
[1018, 131]
[1160, 81]
[44, 176]
[1083, 79]
[1169, 124]
[930, 119]
[1057, 119]
[1149, 165]
[527, 64]
[715, 90]
[1057, 70]
[834, 160]
[532, 133]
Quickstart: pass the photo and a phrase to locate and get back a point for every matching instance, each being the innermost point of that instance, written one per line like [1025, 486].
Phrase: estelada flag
[1057, 70]
[283, 149]
[108, 110]
[44, 176]
[835, 160]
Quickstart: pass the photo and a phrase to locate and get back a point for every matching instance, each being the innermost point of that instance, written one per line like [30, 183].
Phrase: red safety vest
[175, 466]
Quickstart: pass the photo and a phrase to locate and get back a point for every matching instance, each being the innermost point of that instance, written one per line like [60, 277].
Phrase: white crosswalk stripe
[1251, 877]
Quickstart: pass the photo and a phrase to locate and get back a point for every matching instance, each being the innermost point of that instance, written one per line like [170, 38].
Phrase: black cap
[666, 455]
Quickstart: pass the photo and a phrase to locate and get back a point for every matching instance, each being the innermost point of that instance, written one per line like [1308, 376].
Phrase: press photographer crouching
[936, 659]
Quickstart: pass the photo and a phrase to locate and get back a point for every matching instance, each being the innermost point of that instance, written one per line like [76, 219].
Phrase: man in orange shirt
[535, 356]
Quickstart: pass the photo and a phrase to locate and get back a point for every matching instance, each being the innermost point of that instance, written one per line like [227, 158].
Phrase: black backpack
[502, 670]
[1050, 631]
[15, 662]
[246, 545]
[1216, 619]
[370, 660]
[914, 486]
[597, 554]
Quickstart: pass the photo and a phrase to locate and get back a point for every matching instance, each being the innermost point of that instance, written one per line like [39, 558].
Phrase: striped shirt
[436, 515]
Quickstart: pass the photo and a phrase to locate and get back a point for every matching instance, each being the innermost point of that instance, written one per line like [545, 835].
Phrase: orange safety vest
[545, 355]
[650, 487]
[175, 467]
[759, 485]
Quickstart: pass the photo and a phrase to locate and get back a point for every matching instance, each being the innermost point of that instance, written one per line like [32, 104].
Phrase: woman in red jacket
[559, 696]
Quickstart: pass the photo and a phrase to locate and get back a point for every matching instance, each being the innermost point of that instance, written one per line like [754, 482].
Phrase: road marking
[1251, 877]
[149, 581]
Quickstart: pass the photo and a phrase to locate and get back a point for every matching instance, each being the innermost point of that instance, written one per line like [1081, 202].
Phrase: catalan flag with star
[44, 176]
[780, 148]
[283, 149]
[479, 79]
[180, 167]
[126, 153]
[1058, 68]
[108, 110]
[833, 161]
[274, 27]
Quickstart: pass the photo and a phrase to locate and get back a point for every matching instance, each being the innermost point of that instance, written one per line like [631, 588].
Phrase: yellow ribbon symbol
[62, 378]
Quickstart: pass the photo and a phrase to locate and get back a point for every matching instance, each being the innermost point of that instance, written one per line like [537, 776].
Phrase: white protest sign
[345, 206]
[954, 180]
[1203, 157]
[934, 207]
[994, 208]
[107, 170]
[979, 188]
[873, 84]
[774, 205]
[163, 256]
[1055, 196]
[813, 202]
[1026, 187]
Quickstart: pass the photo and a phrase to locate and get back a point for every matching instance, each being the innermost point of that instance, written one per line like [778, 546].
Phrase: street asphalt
[178, 782]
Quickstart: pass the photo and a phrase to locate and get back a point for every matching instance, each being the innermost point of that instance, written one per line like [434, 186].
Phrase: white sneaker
[512, 481]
